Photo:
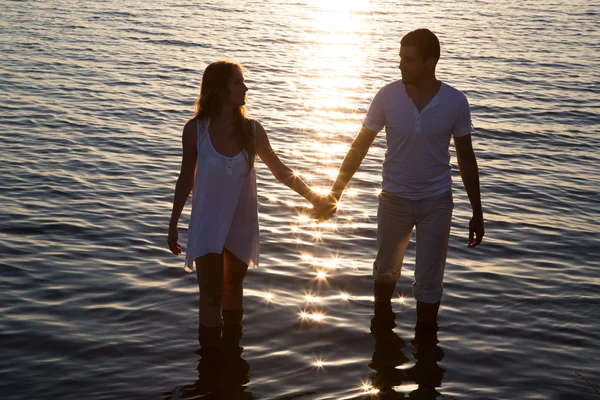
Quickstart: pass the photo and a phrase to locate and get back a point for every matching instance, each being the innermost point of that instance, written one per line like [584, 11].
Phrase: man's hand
[476, 230]
[174, 246]
[325, 207]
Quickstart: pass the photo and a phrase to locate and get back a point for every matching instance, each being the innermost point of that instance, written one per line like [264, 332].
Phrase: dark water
[94, 306]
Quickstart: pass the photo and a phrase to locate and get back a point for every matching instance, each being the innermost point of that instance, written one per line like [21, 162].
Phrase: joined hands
[324, 207]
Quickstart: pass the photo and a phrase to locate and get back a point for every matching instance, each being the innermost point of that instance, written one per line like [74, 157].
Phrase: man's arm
[358, 151]
[467, 164]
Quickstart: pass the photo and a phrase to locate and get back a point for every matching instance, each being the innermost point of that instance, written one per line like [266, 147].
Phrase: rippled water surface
[94, 96]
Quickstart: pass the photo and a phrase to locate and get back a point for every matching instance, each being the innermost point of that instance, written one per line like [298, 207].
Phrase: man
[420, 115]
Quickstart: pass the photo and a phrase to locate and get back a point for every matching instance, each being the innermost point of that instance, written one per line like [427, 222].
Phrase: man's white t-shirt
[417, 159]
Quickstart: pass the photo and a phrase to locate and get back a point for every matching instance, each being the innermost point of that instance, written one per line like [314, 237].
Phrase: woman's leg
[210, 282]
[233, 290]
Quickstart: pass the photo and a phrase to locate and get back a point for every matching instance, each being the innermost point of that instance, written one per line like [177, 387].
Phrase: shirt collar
[435, 101]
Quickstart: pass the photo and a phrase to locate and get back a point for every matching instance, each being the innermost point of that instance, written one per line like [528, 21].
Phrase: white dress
[224, 205]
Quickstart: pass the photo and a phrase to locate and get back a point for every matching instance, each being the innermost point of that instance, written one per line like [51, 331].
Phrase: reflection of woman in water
[222, 371]
[220, 144]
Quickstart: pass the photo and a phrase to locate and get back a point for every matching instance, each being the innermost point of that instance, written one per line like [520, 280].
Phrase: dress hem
[251, 263]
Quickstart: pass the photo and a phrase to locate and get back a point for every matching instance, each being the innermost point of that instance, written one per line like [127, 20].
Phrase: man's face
[412, 67]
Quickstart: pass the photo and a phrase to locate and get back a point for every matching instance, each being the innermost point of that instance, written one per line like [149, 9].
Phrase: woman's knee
[211, 292]
[210, 274]
[233, 289]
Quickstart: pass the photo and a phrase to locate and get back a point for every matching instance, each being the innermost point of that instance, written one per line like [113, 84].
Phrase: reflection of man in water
[389, 356]
[420, 115]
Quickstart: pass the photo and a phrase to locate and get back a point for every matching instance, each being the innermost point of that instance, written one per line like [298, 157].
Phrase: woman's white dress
[224, 205]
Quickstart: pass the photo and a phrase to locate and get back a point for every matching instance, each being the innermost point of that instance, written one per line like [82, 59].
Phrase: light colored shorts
[396, 218]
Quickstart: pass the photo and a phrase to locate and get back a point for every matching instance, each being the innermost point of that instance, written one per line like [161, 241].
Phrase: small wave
[118, 13]
[45, 229]
[172, 42]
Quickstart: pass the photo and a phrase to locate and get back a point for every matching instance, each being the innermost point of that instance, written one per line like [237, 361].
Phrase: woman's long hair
[214, 89]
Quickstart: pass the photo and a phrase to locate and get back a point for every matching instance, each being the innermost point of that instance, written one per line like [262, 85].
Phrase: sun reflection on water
[268, 297]
[314, 316]
[321, 275]
[368, 388]
[311, 298]
[319, 363]
[332, 72]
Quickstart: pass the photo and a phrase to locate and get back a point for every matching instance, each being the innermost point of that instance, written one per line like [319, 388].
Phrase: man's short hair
[425, 41]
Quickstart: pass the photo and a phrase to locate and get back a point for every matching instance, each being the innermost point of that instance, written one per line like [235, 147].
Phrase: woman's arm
[185, 182]
[279, 170]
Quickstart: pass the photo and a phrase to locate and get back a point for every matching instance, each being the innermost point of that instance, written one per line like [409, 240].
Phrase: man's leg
[433, 233]
[394, 226]
[427, 312]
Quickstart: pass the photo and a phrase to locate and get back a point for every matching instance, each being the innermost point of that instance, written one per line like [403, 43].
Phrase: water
[94, 96]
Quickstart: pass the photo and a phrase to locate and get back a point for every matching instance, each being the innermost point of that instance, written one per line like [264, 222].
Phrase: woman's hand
[172, 240]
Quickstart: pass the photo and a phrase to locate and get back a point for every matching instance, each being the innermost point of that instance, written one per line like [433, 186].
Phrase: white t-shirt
[417, 159]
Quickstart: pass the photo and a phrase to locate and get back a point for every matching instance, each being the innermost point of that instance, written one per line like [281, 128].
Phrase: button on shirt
[417, 159]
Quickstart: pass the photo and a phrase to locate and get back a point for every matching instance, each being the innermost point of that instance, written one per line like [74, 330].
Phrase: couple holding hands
[420, 115]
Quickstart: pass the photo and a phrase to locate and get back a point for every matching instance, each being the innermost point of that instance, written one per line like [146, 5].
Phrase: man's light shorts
[396, 218]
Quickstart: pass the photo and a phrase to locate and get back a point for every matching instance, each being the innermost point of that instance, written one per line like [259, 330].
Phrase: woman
[220, 144]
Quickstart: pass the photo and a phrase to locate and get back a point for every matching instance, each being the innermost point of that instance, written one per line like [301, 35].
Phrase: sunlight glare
[332, 226]
[334, 263]
[306, 257]
[304, 219]
[319, 363]
[312, 299]
[368, 388]
[268, 297]
[342, 5]
[314, 316]
[330, 172]
[317, 316]
[321, 191]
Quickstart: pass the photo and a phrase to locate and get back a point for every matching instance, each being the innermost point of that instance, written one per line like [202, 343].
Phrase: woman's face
[237, 88]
